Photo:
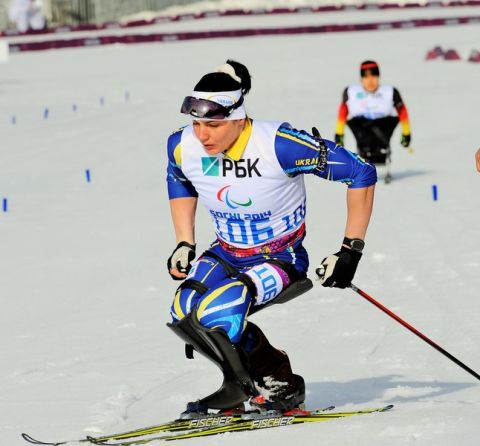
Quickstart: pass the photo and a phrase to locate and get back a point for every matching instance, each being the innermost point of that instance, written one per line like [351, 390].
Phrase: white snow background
[84, 290]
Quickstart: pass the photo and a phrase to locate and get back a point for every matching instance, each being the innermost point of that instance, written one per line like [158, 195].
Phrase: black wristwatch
[355, 244]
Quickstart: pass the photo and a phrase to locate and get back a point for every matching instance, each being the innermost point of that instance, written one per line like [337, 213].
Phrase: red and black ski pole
[414, 331]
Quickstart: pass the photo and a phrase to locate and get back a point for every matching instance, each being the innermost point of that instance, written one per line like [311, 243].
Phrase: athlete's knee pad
[187, 295]
[225, 307]
[205, 273]
[269, 280]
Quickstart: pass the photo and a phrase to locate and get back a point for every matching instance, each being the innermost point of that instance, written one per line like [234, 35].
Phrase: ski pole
[414, 331]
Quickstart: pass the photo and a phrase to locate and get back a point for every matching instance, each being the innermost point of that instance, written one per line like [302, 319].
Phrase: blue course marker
[87, 175]
[74, 107]
[102, 101]
[14, 120]
[5, 205]
[46, 112]
[435, 192]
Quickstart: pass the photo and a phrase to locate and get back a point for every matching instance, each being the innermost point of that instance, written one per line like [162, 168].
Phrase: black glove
[405, 141]
[338, 269]
[181, 259]
[339, 139]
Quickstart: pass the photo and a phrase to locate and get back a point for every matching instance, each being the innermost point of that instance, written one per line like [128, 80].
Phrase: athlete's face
[218, 136]
[370, 82]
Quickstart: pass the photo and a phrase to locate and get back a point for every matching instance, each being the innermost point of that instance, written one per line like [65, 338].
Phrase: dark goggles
[369, 68]
[203, 108]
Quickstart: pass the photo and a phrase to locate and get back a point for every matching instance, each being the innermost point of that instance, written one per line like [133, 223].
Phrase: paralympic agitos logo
[222, 167]
[224, 196]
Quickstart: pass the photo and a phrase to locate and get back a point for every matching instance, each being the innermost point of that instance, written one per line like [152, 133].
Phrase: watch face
[357, 245]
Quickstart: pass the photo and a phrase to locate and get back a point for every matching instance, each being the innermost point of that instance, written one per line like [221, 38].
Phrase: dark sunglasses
[203, 108]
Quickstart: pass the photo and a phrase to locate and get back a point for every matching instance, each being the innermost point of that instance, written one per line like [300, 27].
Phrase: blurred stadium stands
[75, 12]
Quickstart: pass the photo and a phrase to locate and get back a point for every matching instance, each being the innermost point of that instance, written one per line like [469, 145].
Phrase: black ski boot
[280, 389]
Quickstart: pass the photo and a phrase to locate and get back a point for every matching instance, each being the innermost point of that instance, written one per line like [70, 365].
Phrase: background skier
[372, 111]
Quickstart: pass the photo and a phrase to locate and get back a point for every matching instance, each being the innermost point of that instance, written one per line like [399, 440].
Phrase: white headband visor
[225, 98]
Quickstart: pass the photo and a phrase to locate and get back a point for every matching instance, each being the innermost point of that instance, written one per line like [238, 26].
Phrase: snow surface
[84, 290]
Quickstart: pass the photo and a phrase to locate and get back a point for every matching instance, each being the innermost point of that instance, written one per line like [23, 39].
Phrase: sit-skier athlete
[249, 176]
[374, 111]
